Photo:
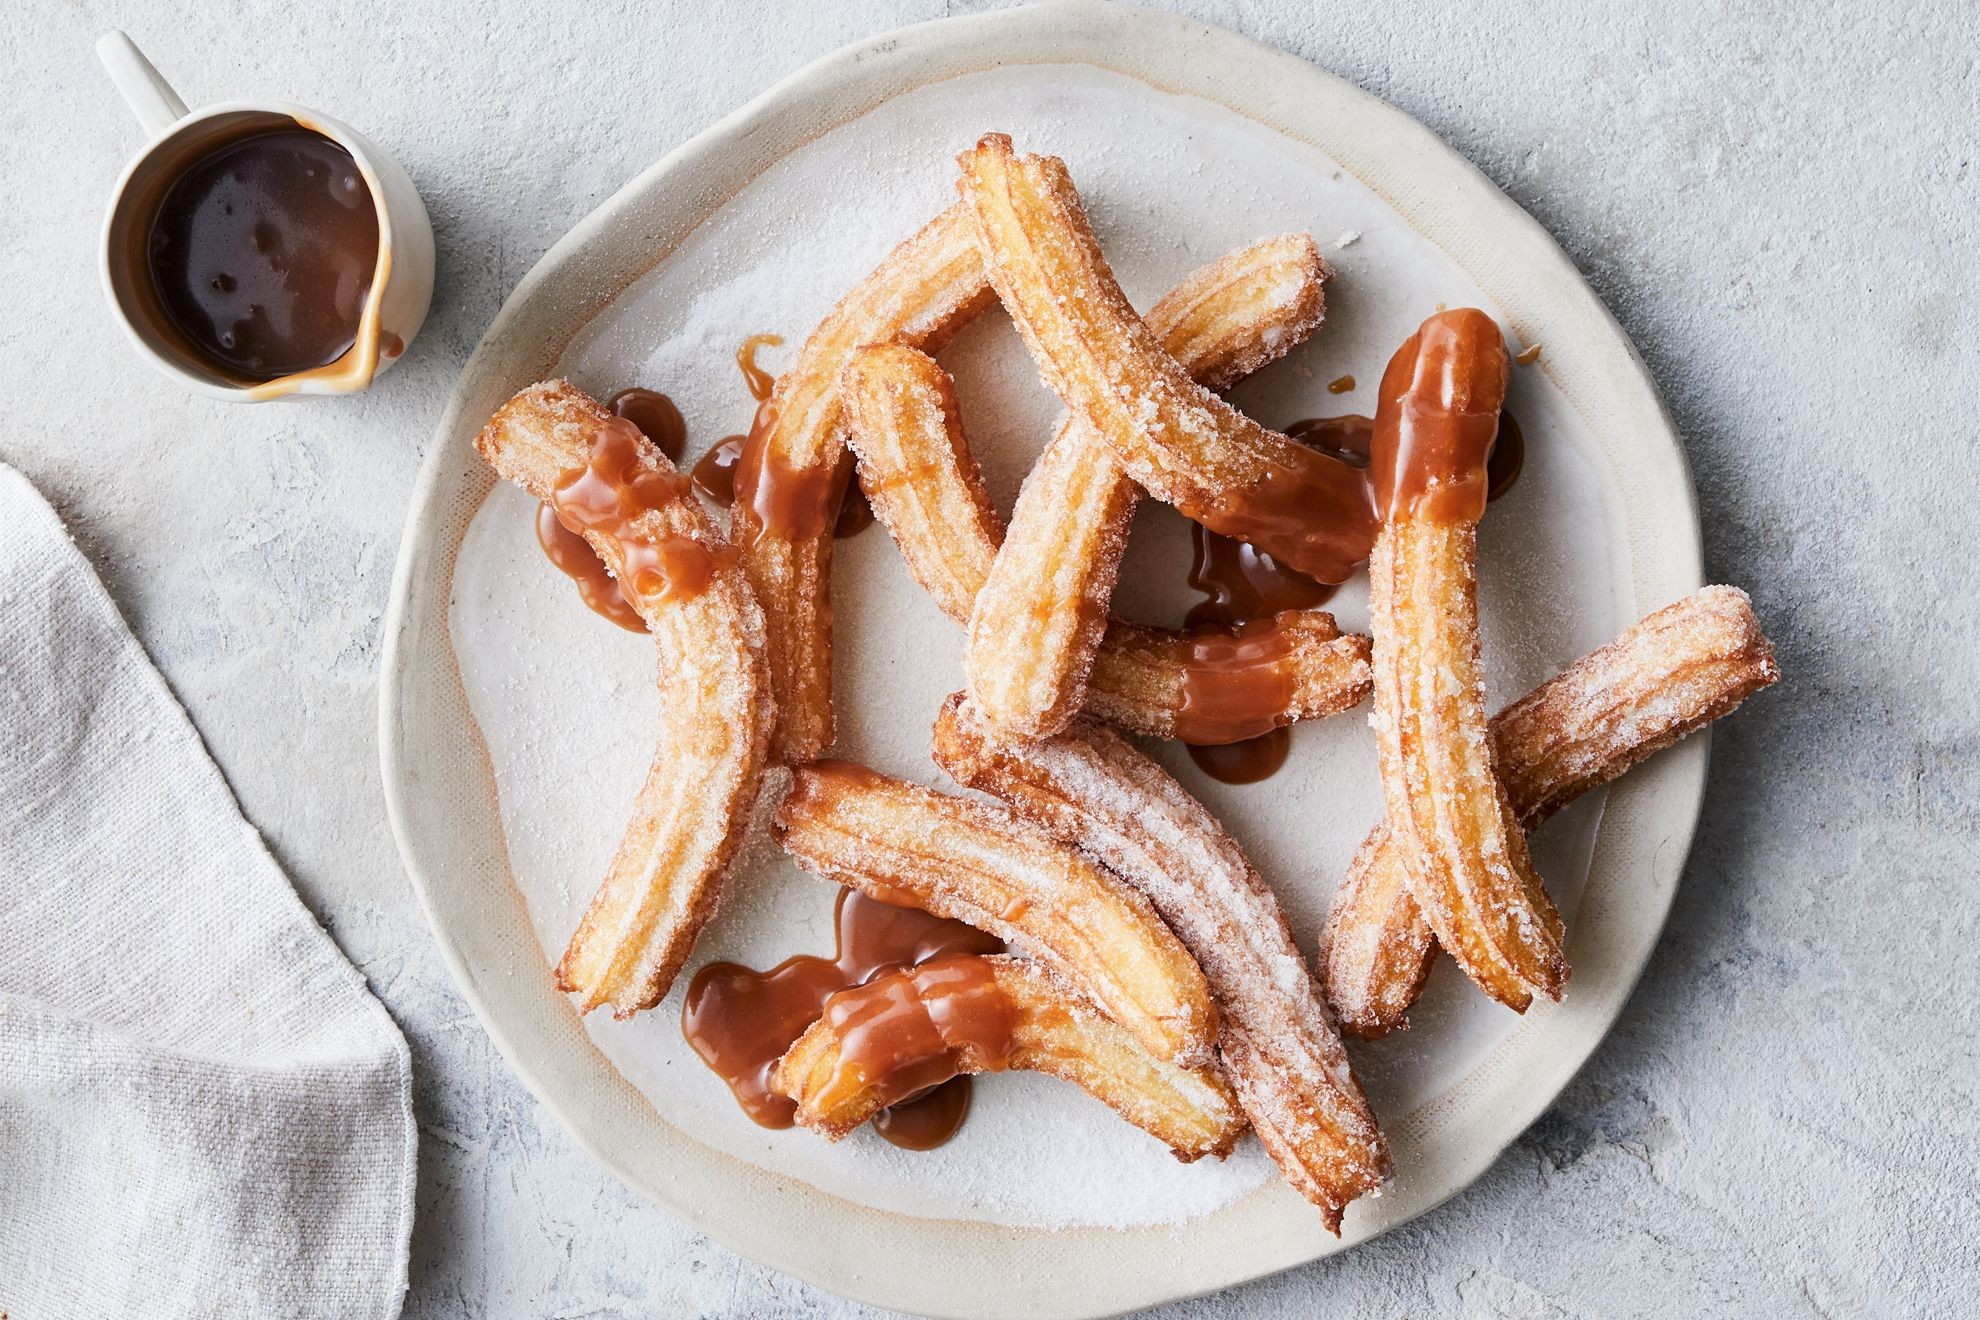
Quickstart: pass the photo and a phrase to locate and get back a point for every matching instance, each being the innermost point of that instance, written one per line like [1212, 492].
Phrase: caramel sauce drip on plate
[656, 417]
[740, 1021]
[1229, 705]
[759, 382]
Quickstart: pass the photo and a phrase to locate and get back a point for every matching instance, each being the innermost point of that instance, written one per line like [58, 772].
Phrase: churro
[1039, 618]
[1179, 441]
[1090, 789]
[914, 1028]
[793, 469]
[1211, 684]
[606, 482]
[1436, 415]
[902, 843]
[918, 473]
[1667, 676]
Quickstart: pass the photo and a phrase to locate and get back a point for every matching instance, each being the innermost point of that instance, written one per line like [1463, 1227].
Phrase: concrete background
[1780, 204]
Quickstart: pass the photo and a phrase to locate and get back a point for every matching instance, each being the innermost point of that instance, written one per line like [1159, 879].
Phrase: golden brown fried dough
[1667, 676]
[902, 843]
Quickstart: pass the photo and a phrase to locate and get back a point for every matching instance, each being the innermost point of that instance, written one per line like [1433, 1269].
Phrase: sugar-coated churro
[1089, 788]
[1436, 415]
[793, 469]
[1039, 618]
[918, 472]
[1667, 676]
[907, 1030]
[1212, 684]
[1182, 443]
[902, 843]
[605, 481]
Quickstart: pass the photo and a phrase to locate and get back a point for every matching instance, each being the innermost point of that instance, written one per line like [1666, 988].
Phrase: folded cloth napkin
[203, 1111]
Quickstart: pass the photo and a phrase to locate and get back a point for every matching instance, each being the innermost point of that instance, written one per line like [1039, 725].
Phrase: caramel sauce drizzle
[611, 494]
[1436, 416]
[1235, 683]
[575, 558]
[759, 382]
[902, 1032]
[1314, 509]
[1230, 701]
[656, 417]
[741, 1021]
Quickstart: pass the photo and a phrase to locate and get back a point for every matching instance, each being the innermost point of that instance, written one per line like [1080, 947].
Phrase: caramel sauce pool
[1244, 586]
[740, 1021]
[657, 418]
[263, 251]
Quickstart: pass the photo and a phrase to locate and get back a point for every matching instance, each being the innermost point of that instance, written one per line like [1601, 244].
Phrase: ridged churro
[1039, 618]
[1089, 788]
[1436, 415]
[1212, 684]
[918, 473]
[902, 843]
[793, 468]
[1667, 676]
[605, 481]
[907, 1030]
[1179, 441]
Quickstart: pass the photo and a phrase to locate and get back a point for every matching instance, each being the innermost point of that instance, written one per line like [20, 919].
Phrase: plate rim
[946, 1274]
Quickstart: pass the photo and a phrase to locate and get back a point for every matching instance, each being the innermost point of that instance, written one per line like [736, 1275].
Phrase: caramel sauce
[656, 417]
[1340, 385]
[925, 1121]
[263, 251]
[1241, 582]
[790, 503]
[1508, 457]
[1347, 437]
[901, 1032]
[575, 558]
[1436, 416]
[855, 513]
[389, 344]
[760, 383]
[1314, 511]
[1231, 705]
[1244, 762]
[794, 504]
[1236, 682]
[715, 471]
[741, 1021]
[611, 493]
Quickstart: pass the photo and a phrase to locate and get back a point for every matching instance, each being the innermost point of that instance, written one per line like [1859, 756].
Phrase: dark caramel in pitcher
[262, 253]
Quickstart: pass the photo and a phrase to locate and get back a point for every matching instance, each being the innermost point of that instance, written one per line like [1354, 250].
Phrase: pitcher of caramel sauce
[259, 250]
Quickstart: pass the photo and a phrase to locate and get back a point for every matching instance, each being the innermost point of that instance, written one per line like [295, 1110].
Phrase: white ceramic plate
[1186, 140]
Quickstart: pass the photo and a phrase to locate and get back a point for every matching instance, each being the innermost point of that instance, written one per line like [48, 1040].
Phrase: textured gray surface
[1779, 203]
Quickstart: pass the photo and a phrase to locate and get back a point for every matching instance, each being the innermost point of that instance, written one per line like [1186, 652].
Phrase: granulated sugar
[566, 701]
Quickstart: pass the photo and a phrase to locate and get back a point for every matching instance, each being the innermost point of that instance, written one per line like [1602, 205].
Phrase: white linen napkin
[203, 1111]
